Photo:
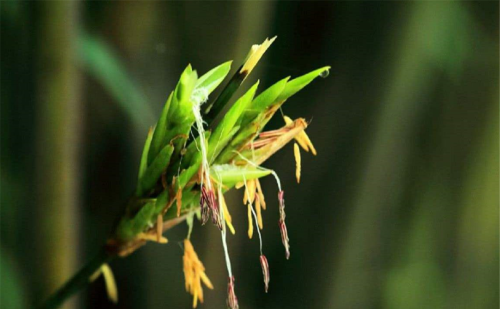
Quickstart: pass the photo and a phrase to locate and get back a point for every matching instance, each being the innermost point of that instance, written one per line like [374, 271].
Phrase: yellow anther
[152, 237]
[251, 191]
[194, 273]
[159, 227]
[110, 283]
[227, 215]
[262, 201]
[250, 224]
[302, 138]
[259, 213]
[296, 152]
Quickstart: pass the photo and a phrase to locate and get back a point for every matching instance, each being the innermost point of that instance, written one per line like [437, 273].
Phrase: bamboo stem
[78, 281]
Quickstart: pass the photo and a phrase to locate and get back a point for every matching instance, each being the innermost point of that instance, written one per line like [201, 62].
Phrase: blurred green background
[398, 210]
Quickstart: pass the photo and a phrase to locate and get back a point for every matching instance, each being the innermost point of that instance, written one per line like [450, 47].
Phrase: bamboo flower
[194, 273]
[188, 163]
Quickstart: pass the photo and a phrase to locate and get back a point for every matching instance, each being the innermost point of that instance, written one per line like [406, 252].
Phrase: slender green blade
[231, 118]
[128, 228]
[213, 78]
[296, 84]
[144, 157]
[229, 174]
[264, 100]
[221, 144]
[154, 171]
[158, 139]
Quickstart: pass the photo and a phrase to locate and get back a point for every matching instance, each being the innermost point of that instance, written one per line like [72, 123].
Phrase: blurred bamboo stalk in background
[58, 126]
[388, 162]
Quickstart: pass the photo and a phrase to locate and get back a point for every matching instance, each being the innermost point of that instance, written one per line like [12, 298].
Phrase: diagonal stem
[78, 281]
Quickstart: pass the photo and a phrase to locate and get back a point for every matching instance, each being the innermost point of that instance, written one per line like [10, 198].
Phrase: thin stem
[79, 280]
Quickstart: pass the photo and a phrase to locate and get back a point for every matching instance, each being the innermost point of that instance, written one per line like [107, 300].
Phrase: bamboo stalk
[78, 281]
[58, 126]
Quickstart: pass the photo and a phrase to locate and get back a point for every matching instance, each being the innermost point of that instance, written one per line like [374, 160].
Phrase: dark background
[398, 210]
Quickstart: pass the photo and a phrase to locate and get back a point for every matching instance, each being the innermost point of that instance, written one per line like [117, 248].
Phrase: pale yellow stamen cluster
[302, 138]
[227, 215]
[109, 281]
[194, 273]
[253, 195]
[296, 152]
[250, 222]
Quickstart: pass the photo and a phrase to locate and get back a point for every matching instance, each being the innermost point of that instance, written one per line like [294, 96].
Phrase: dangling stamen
[262, 201]
[258, 210]
[296, 152]
[232, 300]
[109, 281]
[265, 271]
[302, 137]
[251, 191]
[282, 225]
[227, 215]
[263, 259]
[250, 224]
[208, 196]
[205, 210]
[281, 222]
[194, 273]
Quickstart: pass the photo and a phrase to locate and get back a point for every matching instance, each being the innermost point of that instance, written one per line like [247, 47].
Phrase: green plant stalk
[78, 281]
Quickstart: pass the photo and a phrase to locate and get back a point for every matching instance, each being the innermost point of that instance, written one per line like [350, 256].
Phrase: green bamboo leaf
[213, 78]
[143, 218]
[128, 228]
[144, 157]
[154, 171]
[181, 107]
[161, 202]
[190, 200]
[253, 57]
[232, 116]
[194, 165]
[269, 96]
[230, 174]
[263, 100]
[296, 84]
[221, 145]
[158, 139]
[188, 173]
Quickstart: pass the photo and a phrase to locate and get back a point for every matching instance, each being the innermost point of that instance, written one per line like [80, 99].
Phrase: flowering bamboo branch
[180, 178]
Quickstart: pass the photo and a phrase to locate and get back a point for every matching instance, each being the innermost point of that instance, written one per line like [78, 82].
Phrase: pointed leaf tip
[296, 84]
